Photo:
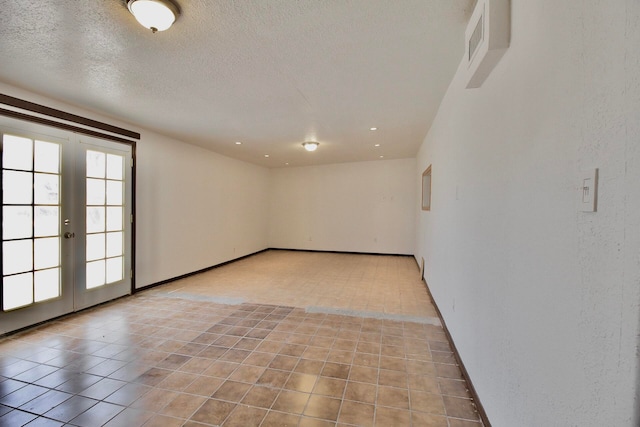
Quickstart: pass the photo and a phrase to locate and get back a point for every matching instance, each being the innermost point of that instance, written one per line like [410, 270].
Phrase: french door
[66, 222]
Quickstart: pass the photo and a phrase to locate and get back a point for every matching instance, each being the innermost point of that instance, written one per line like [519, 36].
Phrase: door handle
[69, 235]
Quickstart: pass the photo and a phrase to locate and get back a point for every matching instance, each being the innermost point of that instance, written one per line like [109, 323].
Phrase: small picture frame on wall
[426, 189]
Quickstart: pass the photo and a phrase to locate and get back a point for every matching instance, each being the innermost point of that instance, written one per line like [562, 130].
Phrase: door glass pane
[47, 284]
[114, 270]
[47, 221]
[95, 246]
[46, 189]
[17, 291]
[17, 187]
[95, 274]
[95, 219]
[114, 244]
[114, 218]
[17, 256]
[16, 222]
[47, 157]
[47, 253]
[95, 164]
[114, 192]
[114, 167]
[95, 191]
[16, 153]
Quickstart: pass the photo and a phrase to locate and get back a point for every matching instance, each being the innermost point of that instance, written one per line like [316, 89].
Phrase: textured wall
[543, 300]
[353, 207]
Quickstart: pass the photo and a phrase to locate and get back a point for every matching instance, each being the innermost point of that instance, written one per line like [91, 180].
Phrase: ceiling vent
[486, 39]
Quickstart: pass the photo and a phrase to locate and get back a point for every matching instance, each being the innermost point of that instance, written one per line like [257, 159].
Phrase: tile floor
[173, 356]
[361, 283]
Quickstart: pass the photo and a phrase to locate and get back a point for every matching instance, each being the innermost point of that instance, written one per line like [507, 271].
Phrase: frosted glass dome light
[310, 146]
[156, 15]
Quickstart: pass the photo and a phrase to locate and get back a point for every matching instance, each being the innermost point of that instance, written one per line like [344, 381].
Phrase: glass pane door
[66, 229]
[32, 243]
[104, 248]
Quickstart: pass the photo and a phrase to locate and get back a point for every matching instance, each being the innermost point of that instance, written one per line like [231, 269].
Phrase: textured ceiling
[269, 73]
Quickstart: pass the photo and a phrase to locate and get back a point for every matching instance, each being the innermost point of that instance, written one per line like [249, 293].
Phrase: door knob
[69, 235]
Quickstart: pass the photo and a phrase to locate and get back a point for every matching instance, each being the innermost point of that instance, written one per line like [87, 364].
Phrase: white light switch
[589, 190]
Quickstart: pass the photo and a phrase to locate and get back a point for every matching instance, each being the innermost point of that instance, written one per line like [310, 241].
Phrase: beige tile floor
[173, 356]
[361, 283]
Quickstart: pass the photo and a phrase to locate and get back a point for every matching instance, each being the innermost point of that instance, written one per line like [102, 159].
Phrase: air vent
[476, 38]
[487, 39]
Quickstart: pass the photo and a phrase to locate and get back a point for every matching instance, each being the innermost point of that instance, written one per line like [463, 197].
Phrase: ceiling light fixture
[373, 128]
[238, 143]
[156, 15]
[310, 145]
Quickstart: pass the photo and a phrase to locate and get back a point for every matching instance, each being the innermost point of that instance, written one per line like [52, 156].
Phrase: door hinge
[131, 274]
[131, 219]
[132, 162]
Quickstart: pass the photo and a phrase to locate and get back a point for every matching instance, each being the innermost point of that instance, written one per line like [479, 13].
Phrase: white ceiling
[268, 73]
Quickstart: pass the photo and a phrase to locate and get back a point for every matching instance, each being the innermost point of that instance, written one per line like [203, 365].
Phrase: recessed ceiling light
[377, 145]
[373, 128]
[310, 145]
[286, 164]
[266, 155]
[238, 143]
[382, 157]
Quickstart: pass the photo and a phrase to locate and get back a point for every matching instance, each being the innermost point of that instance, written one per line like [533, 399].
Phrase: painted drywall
[195, 208]
[351, 207]
[542, 300]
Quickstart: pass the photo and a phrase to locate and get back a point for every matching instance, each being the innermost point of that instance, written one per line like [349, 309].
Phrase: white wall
[195, 208]
[543, 300]
[352, 207]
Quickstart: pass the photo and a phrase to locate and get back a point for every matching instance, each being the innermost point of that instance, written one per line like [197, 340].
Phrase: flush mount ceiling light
[310, 146]
[156, 15]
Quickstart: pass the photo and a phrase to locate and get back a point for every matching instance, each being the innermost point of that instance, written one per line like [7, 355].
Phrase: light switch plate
[589, 190]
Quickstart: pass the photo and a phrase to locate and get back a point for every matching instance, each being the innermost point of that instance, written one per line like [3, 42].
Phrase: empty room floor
[280, 338]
